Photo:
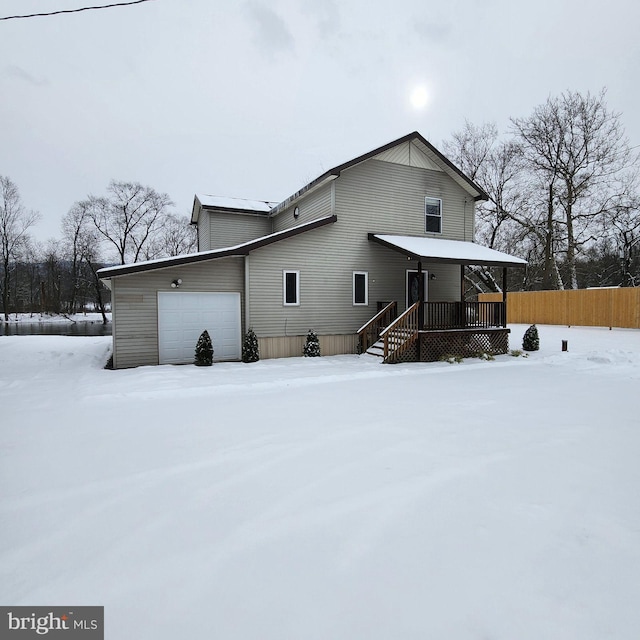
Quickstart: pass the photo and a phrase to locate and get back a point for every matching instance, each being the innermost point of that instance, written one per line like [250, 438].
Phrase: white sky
[253, 99]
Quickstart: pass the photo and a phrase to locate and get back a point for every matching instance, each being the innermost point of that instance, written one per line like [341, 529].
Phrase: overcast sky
[253, 99]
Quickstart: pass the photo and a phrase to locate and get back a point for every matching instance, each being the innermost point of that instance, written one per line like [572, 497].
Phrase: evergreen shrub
[250, 347]
[312, 346]
[531, 339]
[204, 350]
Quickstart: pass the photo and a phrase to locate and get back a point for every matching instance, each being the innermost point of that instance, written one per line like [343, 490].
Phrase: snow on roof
[235, 250]
[223, 202]
[449, 250]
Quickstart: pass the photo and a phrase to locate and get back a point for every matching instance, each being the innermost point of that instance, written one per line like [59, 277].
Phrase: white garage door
[182, 317]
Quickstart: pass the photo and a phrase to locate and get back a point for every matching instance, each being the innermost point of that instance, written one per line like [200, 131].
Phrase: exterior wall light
[176, 283]
[432, 276]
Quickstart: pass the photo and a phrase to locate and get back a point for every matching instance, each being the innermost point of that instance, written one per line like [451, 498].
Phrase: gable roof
[422, 143]
[242, 249]
[434, 157]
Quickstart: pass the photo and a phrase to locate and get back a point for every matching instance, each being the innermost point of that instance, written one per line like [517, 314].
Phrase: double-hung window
[360, 288]
[291, 288]
[433, 215]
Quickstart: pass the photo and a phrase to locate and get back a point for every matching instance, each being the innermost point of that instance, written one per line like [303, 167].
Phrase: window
[433, 215]
[360, 288]
[291, 287]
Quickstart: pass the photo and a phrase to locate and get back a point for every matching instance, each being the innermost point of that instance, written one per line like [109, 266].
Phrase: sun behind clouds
[419, 97]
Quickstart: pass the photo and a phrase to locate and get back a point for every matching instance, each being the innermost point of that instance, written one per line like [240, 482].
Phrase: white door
[182, 317]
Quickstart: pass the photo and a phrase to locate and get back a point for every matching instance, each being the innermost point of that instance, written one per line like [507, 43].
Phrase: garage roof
[201, 256]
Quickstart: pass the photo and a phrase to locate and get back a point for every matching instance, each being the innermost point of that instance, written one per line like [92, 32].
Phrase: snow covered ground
[329, 498]
[48, 318]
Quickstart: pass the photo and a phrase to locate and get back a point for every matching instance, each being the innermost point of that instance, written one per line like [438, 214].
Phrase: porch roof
[447, 251]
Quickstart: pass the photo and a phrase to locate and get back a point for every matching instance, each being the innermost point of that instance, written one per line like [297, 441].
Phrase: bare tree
[470, 148]
[174, 236]
[81, 239]
[128, 217]
[30, 281]
[577, 149]
[53, 276]
[623, 232]
[15, 222]
[496, 166]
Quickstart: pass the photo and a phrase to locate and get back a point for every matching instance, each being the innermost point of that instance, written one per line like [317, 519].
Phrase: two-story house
[373, 250]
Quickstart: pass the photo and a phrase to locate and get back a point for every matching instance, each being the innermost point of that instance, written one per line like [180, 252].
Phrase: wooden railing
[464, 315]
[402, 333]
[370, 332]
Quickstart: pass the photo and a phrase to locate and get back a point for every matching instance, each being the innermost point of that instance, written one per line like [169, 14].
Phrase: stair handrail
[374, 325]
[393, 325]
[378, 315]
[409, 316]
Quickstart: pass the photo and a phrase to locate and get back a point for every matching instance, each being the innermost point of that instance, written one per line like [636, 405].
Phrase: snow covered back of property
[327, 498]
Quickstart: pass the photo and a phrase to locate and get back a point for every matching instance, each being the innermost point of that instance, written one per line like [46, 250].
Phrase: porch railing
[464, 315]
[401, 334]
[370, 332]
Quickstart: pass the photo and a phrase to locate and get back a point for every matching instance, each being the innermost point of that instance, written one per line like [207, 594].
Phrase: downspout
[333, 197]
[421, 287]
[504, 295]
[464, 231]
[247, 305]
[112, 287]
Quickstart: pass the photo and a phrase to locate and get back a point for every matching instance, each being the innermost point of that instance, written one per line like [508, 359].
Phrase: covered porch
[430, 330]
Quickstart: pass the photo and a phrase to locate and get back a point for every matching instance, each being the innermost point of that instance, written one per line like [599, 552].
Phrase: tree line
[562, 185]
[563, 193]
[130, 223]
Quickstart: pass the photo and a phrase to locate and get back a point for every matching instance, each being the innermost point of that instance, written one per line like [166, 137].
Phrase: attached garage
[183, 316]
[161, 307]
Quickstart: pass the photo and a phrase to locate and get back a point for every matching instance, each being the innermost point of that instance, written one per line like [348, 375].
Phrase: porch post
[420, 296]
[462, 314]
[504, 296]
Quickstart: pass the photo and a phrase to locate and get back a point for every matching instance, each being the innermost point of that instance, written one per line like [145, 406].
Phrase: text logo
[22, 623]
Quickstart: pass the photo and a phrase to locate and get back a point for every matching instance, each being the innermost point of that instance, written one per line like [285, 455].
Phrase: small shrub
[204, 350]
[516, 353]
[450, 359]
[250, 347]
[483, 355]
[312, 346]
[531, 339]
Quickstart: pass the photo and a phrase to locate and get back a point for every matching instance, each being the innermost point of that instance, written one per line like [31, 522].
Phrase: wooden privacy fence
[608, 307]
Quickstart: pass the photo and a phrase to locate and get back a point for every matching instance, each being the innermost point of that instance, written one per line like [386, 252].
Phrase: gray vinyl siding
[325, 287]
[229, 229]
[135, 308]
[389, 198]
[204, 226]
[447, 287]
[373, 197]
[311, 207]
[326, 284]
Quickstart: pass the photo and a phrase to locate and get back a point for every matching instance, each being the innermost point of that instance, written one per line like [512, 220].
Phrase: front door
[414, 282]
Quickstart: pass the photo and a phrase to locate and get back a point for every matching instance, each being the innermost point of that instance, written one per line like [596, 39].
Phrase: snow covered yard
[327, 498]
